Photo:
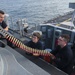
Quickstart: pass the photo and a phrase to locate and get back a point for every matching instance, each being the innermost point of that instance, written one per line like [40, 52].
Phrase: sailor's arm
[6, 29]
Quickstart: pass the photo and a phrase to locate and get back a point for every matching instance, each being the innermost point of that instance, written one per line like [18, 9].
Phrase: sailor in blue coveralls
[3, 25]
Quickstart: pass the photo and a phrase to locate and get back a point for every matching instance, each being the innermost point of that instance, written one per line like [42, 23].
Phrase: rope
[19, 44]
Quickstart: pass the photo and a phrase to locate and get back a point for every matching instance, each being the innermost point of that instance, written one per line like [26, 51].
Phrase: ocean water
[35, 11]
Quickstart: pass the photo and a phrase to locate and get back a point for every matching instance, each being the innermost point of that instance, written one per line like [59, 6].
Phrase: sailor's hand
[52, 57]
[35, 54]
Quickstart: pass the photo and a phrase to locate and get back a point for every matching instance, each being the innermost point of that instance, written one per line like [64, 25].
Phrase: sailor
[35, 42]
[63, 54]
[3, 25]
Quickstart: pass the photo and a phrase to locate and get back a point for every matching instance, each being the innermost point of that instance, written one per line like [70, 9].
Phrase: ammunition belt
[19, 44]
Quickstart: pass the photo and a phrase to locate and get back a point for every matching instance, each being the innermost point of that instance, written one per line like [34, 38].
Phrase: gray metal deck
[12, 64]
[9, 65]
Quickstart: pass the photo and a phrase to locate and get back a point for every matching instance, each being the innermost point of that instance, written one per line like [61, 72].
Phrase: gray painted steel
[10, 65]
[13, 61]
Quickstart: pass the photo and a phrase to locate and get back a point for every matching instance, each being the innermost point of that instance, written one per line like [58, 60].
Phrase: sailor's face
[35, 39]
[61, 41]
[1, 17]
